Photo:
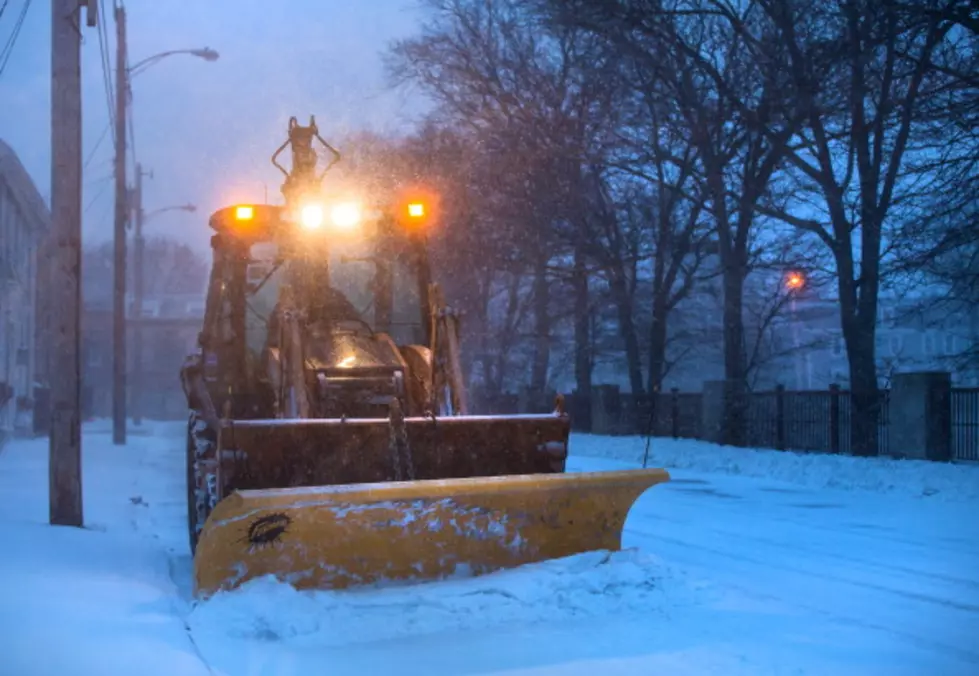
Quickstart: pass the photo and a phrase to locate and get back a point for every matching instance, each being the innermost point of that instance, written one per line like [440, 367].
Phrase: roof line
[24, 190]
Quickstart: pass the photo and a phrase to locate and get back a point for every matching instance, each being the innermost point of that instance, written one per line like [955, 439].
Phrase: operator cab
[365, 310]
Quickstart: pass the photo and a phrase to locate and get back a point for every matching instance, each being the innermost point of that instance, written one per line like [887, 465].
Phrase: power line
[91, 154]
[106, 182]
[3, 7]
[8, 49]
[130, 125]
[105, 63]
[132, 134]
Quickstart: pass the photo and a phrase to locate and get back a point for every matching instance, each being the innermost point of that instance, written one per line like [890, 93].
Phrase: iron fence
[812, 421]
[965, 423]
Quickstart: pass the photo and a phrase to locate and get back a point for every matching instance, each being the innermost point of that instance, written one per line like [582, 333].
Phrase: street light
[794, 281]
[190, 208]
[205, 53]
[123, 206]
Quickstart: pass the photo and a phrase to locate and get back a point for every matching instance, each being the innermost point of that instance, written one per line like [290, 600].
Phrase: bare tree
[700, 63]
[528, 97]
[939, 243]
[858, 96]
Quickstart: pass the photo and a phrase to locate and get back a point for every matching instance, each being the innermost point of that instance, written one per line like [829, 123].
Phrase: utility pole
[65, 445]
[119, 258]
[138, 248]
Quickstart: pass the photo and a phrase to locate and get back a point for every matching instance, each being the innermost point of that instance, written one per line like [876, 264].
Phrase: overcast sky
[207, 130]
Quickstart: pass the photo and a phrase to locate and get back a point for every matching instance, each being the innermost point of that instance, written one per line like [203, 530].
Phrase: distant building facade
[170, 325]
[24, 225]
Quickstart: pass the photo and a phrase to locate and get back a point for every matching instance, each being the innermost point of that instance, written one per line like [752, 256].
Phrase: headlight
[346, 216]
[312, 216]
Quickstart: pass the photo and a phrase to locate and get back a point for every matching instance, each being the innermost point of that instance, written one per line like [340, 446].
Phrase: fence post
[834, 418]
[780, 417]
[921, 416]
[675, 412]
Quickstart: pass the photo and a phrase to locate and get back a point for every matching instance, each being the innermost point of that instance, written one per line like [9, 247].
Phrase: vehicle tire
[201, 448]
[191, 486]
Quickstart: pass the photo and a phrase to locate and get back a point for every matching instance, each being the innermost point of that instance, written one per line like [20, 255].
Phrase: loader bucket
[368, 534]
[289, 453]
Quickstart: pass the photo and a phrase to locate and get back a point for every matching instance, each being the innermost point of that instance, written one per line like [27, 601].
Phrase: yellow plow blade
[339, 536]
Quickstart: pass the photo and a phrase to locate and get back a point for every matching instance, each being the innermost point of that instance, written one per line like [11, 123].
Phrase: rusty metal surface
[287, 453]
[340, 536]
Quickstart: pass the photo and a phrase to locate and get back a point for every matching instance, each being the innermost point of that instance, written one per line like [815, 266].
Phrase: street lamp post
[205, 53]
[139, 280]
[123, 207]
[795, 284]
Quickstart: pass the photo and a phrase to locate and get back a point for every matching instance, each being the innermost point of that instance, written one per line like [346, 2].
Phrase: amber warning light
[244, 213]
[416, 210]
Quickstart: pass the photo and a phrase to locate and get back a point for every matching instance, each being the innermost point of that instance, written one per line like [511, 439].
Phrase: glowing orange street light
[244, 213]
[416, 208]
[795, 281]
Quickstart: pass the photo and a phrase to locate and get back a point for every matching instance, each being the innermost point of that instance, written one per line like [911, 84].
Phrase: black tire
[191, 485]
[201, 440]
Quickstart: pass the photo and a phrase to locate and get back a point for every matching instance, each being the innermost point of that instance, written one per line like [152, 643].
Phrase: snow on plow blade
[340, 536]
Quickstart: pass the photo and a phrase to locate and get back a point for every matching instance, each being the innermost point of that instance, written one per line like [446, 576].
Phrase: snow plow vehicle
[330, 442]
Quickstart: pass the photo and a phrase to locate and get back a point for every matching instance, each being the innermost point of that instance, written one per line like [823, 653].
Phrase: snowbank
[945, 481]
[93, 600]
[592, 585]
[79, 601]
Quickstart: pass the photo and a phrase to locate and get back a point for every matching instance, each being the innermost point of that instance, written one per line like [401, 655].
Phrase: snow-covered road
[841, 567]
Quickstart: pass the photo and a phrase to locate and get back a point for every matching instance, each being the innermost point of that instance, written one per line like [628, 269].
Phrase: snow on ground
[592, 585]
[946, 481]
[748, 562]
[98, 600]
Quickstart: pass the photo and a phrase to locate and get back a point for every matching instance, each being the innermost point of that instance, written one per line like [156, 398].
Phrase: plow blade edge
[340, 536]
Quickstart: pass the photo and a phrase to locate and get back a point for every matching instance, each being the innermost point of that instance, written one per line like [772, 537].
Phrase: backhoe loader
[329, 441]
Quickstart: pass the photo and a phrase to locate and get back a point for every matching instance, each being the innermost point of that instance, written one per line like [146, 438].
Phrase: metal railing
[811, 421]
[965, 423]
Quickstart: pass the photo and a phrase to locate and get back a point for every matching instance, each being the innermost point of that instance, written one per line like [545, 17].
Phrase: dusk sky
[207, 130]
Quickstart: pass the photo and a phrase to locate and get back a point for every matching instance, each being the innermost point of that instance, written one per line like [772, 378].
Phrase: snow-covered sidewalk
[904, 478]
[98, 600]
[749, 562]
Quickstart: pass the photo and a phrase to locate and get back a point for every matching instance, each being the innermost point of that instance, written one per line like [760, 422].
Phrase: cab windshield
[351, 273]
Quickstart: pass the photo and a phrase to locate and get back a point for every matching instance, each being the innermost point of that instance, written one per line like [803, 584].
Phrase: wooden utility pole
[65, 466]
[138, 282]
[121, 219]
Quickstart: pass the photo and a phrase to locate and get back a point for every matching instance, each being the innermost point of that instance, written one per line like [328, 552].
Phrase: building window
[896, 345]
[950, 344]
[929, 345]
[838, 346]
